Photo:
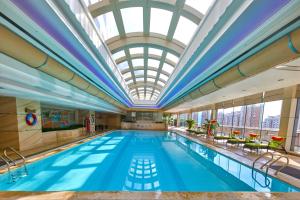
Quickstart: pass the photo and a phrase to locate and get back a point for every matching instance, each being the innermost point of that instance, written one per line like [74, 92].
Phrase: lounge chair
[238, 141]
[200, 132]
[276, 143]
[222, 137]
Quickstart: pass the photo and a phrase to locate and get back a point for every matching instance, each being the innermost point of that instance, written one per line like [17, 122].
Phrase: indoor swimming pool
[141, 161]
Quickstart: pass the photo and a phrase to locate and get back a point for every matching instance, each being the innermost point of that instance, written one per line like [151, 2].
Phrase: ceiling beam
[153, 40]
[155, 57]
[106, 6]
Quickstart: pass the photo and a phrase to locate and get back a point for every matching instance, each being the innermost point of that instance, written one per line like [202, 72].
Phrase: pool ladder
[269, 162]
[9, 162]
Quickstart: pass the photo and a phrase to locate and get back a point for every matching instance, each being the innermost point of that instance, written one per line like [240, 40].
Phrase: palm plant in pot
[190, 123]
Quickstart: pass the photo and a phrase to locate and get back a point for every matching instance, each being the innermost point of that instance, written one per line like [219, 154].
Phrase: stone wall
[8, 123]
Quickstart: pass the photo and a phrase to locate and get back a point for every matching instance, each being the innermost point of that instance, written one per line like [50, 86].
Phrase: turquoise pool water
[141, 161]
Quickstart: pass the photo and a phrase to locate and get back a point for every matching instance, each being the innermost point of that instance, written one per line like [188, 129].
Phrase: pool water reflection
[141, 161]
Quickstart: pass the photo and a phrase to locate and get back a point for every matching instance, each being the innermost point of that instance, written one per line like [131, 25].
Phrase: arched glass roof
[147, 37]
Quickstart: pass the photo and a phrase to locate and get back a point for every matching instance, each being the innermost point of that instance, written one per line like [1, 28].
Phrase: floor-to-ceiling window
[253, 118]
[271, 119]
[296, 133]
[261, 118]
[183, 117]
[220, 118]
[227, 120]
[239, 118]
[200, 117]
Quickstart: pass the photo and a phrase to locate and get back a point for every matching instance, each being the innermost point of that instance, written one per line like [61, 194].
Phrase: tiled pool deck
[233, 152]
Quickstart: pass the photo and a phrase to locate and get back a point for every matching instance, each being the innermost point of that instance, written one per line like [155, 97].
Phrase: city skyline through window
[261, 118]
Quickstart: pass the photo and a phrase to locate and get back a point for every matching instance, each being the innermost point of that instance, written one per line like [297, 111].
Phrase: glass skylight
[131, 52]
[155, 51]
[151, 80]
[200, 5]
[138, 62]
[156, 91]
[168, 68]
[160, 21]
[127, 75]
[129, 81]
[139, 79]
[139, 72]
[172, 57]
[163, 77]
[132, 19]
[123, 65]
[161, 83]
[118, 55]
[153, 63]
[90, 2]
[185, 30]
[107, 25]
[136, 50]
[152, 73]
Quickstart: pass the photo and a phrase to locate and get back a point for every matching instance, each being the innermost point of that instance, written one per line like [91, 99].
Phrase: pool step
[9, 162]
[268, 164]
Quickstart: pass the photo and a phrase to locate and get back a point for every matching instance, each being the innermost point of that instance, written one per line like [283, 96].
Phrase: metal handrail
[283, 166]
[267, 182]
[8, 169]
[261, 156]
[19, 154]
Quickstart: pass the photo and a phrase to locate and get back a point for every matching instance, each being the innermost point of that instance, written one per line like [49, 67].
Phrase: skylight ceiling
[146, 38]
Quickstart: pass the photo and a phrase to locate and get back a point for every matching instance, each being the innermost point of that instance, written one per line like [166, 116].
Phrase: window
[138, 72]
[253, 118]
[107, 25]
[127, 75]
[185, 30]
[200, 5]
[239, 118]
[220, 117]
[249, 119]
[123, 65]
[160, 21]
[172, 57]
[129, 81]
[151, 80]
[161, 83]
[155, 51]
[163, 77]
[153, 63]
[296, 133]
[118, 55]
[136, 50]
[271, 119]
[139, 79]
[200, 117]
[183, 117]
[138, 62]
[152, 73]
[167, 68]
[132, 19]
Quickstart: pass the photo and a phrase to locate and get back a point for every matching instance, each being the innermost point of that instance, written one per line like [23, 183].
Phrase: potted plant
[210, 126]
[190, 123]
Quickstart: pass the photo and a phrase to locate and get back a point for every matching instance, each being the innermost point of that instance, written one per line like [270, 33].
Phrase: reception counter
[143, 125]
